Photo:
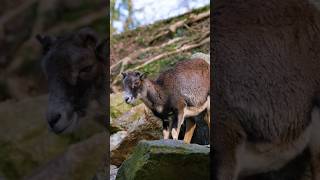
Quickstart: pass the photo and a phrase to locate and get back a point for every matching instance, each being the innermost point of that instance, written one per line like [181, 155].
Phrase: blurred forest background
[129, 14]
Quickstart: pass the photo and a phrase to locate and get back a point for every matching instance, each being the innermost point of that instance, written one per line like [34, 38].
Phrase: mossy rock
[118, 106]
[26, 143]
[166, 160]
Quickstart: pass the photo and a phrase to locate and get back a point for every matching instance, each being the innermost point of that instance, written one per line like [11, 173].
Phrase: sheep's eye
[86, 69]
[136, 84]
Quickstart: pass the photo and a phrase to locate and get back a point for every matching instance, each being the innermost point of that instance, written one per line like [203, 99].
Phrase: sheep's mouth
[131, 101]
[81, 113]
[69, 126]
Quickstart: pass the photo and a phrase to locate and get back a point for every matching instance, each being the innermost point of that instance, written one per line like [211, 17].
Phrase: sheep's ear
[46, 42]
[88, 37]
[102, 51]
[143, 76]
[123, 74]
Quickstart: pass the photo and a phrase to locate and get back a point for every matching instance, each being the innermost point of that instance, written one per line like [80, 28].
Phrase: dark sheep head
[133, 85]
[75, 66]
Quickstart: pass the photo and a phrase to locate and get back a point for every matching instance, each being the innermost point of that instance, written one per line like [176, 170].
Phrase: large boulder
[142, 129]
[83, 160]
[27, 144]
[166, 159]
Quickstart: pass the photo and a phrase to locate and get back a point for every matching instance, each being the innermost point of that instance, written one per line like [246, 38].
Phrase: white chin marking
[132, 101]
[72, 124]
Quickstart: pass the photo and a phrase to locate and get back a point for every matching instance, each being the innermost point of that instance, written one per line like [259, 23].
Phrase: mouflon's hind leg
[178, 120]
[190, 127]
[207, 116]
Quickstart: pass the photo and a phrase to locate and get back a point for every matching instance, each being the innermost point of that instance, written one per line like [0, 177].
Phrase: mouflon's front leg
[178, 120]
[167, 128]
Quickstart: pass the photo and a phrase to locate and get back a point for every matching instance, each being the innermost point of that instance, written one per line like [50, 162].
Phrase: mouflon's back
[189, 79]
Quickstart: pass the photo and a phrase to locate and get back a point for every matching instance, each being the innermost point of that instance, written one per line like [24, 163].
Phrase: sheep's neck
[153, 96]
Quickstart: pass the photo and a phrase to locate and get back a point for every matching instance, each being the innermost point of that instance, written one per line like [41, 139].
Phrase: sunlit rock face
[164, 159]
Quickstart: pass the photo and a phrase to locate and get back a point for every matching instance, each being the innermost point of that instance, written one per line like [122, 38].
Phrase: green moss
[14, 163]
[113, 129]
[153, 69]
[141, 41]
[181, 32]
[162, 160]
[148, 31]
[34, 134]
[118, 106]
[115, 112]
[170, 47]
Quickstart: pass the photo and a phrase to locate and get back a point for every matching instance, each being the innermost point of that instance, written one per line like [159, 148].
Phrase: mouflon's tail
[201, 55]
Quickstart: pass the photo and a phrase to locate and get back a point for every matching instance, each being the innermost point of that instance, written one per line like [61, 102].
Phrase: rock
[113, 172]
[135, 123]
[25, 141]
[116, 139]
[143, 129]
[128, 118]
[79, 161]
[123, 114]
[166, 159]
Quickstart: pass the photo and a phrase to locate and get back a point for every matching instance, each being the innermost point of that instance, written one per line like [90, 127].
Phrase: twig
[160, 56]
[123, 62]
[195, 18]
[173, 27]
[183, 48]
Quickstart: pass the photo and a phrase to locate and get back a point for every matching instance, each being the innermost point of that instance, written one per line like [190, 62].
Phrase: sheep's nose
[53, 119]
[126, 99]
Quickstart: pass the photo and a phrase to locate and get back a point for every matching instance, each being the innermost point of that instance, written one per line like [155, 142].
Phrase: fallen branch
[163, 55]
[195, 18]
[173, 27]
[128, 59]
[183, 48]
